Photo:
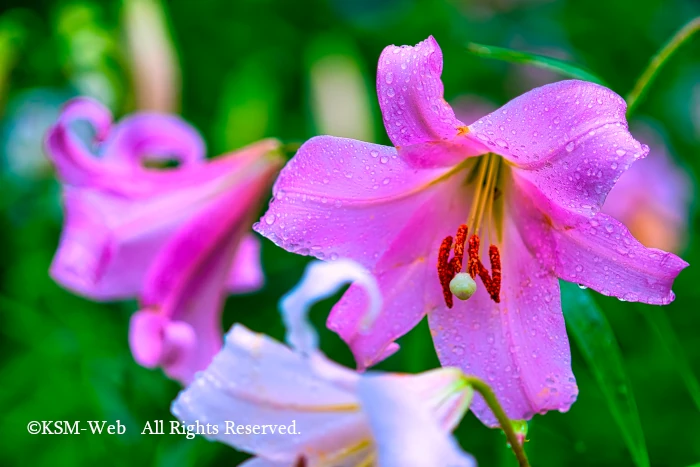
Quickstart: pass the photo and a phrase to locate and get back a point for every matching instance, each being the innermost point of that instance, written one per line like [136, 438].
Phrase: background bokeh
[241, 70]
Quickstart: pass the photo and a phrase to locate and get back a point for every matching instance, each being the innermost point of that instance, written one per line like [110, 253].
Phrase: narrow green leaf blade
[659, 321]
[594, 337]
[548, 63]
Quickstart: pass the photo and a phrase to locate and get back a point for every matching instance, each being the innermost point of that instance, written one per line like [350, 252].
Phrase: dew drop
[570, 146]
[270, 219]
[389, 78]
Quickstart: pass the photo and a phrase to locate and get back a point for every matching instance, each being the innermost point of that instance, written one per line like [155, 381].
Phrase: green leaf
[596, 341]
[658, 320]
[540, 61]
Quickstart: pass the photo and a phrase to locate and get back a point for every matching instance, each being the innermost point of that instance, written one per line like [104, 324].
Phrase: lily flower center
[487, 195]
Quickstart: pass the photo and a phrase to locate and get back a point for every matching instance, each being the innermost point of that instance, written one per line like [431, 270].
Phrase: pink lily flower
[521, 187]
[315, 412]
[177, 239]
[653, 197]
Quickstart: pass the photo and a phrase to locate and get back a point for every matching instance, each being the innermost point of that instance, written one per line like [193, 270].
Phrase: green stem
[490, 398]
[644, 81]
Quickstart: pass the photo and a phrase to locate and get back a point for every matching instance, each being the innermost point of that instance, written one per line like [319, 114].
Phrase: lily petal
[411, 95]
[186, 282]
[246, 273]
[417, 440]
[407, 278]
[256, 380]
[519, 346]
[600, 253]
[119, 215]
[343, 198]
[597, 252]
[158, 136]
[569, 139]
[320, 281]
[653, 197]
[74, 162]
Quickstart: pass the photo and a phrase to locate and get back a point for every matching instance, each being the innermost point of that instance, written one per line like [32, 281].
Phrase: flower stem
[644, 81]
[487, 393]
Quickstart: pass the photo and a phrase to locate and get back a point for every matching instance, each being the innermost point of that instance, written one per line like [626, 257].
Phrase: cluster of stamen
[449, 268]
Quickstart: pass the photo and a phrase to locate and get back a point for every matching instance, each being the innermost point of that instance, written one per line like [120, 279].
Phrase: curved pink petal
[246, 273]
[152, 135]
[653, 197]
[404, 428]
[73, 160]
[117, 220]
[569, 139]
[411, 95]
[187, 281]
[518, 346]
[597, 252]
[155, 341]
[407, 277]
[109, 241]
[114, 164]
[343, 198]
[146, 337]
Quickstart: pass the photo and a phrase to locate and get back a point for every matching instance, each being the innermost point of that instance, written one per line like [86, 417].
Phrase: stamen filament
[485, 200]
[479, 189]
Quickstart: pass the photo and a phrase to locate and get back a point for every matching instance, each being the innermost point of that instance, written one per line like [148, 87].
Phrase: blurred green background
[254, 68]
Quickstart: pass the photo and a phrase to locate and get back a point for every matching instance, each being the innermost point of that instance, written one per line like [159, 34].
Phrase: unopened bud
[462, 286]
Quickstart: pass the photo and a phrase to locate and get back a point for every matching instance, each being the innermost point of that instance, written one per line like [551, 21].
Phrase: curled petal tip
[322, 279]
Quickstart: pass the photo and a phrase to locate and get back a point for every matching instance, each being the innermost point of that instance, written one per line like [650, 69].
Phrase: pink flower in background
[177, 238]
[653, 197]
[334, 415]
[521, 187]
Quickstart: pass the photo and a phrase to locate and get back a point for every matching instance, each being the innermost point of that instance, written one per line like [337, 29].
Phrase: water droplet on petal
[570, 146]
[389, 78]
[270, 219]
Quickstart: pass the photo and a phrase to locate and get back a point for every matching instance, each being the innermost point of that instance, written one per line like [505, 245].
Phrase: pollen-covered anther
[492, 282]
[460, 241]
[447, 269]
[462, 286]
[473, 263]
[495, 260]
[445, 272]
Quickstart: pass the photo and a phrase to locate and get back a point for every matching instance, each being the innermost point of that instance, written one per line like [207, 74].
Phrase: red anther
[460, 240]
[445, 272]
[495, 259]
[447, 269]
[473, 262]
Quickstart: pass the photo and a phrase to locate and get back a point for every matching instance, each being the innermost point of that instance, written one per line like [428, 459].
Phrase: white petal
[405, 430]
[321, 280]
[256, 380]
